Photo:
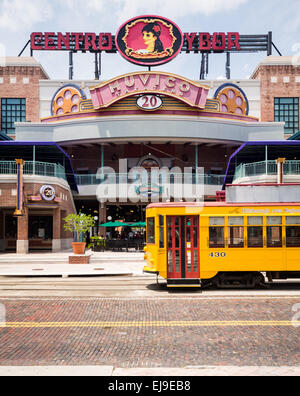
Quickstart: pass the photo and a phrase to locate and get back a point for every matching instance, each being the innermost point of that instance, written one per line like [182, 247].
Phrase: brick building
[280, 91]
[91, 139]
[41, 226]
[19, 91]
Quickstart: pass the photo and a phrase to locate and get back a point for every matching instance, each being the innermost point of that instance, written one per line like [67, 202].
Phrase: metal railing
[34, 168]
[266, 168]
[118, 178]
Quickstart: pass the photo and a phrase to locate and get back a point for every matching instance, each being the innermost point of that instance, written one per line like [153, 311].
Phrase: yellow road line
[150, 324]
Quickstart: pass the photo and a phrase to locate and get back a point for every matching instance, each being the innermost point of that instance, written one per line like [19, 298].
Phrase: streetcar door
[183, 247]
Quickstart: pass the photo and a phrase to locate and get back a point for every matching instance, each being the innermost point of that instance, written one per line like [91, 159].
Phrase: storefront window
[12, 110]
[287, 110]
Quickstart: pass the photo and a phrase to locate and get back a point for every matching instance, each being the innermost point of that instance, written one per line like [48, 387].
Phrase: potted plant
[78, 224]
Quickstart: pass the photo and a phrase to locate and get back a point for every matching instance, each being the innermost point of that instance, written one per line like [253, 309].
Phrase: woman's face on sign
[149, 38]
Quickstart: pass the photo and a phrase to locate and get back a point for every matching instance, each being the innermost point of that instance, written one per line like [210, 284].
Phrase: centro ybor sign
[147, 40]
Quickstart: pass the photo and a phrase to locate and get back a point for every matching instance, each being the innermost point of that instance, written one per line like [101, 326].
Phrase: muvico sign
[157, 83]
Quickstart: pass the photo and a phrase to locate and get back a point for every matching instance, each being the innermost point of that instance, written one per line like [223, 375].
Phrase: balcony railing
[34, 168]
[266, 168]
[119, 178]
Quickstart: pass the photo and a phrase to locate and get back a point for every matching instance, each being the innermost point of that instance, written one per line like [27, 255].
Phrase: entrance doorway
[40, 232]
[183, 249]
[10, 232]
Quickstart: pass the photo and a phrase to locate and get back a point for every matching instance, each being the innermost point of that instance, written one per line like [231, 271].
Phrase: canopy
[114, 224]
[44, 152]
[139, 224]
[260, 151]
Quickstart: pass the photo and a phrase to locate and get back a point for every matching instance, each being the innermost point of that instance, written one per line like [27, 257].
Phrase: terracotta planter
[78, 247]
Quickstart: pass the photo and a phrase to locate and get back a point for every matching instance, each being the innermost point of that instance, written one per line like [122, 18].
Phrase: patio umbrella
[114, 224]
[139, 224]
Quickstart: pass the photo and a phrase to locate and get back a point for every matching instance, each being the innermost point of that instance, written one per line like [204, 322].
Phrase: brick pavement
[153, 340]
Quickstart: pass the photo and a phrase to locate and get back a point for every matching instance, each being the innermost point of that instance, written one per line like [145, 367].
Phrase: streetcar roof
[217, 204]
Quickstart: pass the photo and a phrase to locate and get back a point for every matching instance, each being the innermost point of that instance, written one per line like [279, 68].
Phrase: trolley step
[183, 282]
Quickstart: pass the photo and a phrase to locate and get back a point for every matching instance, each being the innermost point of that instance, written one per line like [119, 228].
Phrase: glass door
[183, 247]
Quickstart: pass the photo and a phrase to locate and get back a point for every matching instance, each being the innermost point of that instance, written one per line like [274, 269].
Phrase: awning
[140, 224]
[44, 152]
[114, 224]
[4, 136]
[256, 151]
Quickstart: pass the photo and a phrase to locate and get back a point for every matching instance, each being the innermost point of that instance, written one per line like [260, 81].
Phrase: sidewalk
[109, 371]
[56, 264]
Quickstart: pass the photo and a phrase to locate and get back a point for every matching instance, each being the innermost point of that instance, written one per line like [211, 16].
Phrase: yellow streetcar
[221, 244]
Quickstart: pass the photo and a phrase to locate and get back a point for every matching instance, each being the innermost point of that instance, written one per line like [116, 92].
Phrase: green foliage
[79, 224]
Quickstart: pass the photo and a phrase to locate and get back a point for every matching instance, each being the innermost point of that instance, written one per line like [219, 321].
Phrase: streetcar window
[255, 220]
[255, 237]
[274, 236]
[216, 221]
[150, 230]
[216, 237]
[161, 232]
[295, 220]
[274, 220]
[274, 231]
[236, 232]
[216, 232]
[255, 232]
[293, 236]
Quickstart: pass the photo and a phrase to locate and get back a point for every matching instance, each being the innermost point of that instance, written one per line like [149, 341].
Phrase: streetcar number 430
[217, 254]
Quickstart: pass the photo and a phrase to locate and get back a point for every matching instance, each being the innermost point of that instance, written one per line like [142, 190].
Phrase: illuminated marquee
[187, 91]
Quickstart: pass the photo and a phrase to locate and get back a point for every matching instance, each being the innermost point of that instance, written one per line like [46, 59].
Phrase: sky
[19, 18]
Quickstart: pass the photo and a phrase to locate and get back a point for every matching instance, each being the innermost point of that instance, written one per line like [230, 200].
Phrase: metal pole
[196, 161]
[102, 161]
[33, 160]
[228, 74]
[100, 64]
[96, 67]
[70, 65]
[270, 40]
[202, 70]
[207, 64]
[266, 158]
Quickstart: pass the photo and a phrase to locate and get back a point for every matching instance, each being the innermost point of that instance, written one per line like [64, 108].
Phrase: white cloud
[175, 8]
[86, 7]
[19, 15]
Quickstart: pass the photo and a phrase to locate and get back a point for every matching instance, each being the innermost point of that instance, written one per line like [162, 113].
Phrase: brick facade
[280, 78]
[19, 78]
[58, 210]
